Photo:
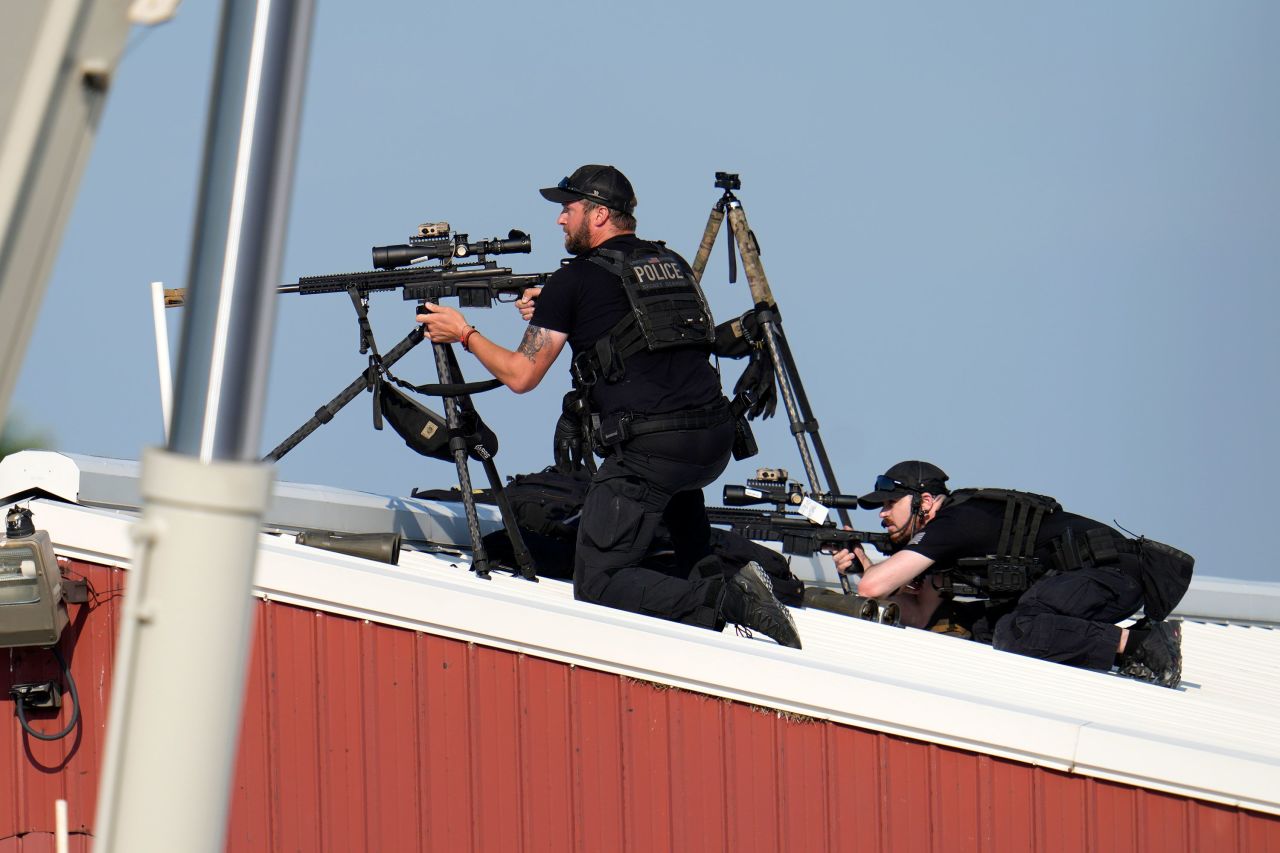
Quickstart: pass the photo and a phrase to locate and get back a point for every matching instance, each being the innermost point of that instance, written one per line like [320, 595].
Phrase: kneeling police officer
[641, 334]
[1056, 583]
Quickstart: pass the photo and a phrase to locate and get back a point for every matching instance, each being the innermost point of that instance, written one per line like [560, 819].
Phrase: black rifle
[461, 271]
[474, 286]
[971, 577]
[797, 533]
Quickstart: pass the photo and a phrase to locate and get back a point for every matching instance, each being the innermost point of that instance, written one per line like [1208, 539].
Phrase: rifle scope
[458, 246]
[779, 496]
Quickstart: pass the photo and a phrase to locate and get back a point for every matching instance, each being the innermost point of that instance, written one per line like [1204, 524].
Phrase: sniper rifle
[797, 520]
[460, 270]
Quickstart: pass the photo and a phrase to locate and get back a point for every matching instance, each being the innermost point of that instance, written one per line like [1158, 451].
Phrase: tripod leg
[761, 294]
[326, 412]
[770, 333]
[454, 406]
[523, 558]
[708, 241]
[458, 445]
[811, 423]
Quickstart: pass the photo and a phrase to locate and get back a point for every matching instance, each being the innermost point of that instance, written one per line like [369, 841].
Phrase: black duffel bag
[1166, 574]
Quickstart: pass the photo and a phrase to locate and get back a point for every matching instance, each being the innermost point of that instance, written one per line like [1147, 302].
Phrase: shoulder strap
[613, 260]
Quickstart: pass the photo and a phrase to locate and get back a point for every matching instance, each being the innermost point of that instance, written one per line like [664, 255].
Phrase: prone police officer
[640, 332]
[1056, 583]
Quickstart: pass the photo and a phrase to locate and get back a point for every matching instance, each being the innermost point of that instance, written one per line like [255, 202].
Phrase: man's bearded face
[577, 239]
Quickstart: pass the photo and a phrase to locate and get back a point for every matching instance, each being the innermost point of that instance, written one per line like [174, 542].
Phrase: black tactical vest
[668, 311]
[1163, 571]
[1012, 568]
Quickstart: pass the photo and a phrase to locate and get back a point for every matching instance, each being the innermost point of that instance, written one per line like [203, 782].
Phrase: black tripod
[463, 441]
[804, 426]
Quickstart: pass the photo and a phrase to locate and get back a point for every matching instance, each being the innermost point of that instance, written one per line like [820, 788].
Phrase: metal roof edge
[1255, 602]
[899, 682]
[721, 665]
[106, 482]
[99, 481]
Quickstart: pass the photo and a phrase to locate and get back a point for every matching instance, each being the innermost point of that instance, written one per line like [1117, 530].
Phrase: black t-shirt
[584, 300]
[972, 527]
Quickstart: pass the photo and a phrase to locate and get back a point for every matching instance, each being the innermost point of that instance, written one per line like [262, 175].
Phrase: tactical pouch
[999, 577]
[611, 430]
[744, 440]
[1102, 544]
[428, 433]
[1066, 556]
[1007, 577]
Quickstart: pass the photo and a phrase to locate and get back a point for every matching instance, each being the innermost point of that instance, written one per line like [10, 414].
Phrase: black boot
[747, 601]
[1158, 658]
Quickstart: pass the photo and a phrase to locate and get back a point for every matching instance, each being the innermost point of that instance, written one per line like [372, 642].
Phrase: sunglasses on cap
[567, 185]
[888, 484]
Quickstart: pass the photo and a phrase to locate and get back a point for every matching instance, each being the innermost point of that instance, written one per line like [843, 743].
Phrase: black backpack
[547, 504]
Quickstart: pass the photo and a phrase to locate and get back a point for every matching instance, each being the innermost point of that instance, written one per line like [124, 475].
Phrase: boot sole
[755, 576]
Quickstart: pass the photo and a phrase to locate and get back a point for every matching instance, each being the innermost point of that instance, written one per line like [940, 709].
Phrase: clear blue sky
[1034, 244]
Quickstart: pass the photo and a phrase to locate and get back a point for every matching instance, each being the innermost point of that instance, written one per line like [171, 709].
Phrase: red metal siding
[359, 736]
[35, 773]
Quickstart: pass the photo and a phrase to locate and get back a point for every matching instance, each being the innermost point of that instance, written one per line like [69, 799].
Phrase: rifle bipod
[459, 443]
[794, 400]
[457, 396]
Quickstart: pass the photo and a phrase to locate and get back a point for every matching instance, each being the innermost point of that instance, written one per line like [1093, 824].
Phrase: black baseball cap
[905, 478]
[603, 185]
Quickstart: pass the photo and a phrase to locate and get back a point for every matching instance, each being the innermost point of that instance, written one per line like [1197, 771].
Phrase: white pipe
[60, 825]
[185, 635]
[162, 355]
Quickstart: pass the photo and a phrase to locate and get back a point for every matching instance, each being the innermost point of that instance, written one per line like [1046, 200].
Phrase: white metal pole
[162, 356]
[178, 689]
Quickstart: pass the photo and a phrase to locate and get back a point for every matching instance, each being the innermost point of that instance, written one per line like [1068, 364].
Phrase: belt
[617, 428]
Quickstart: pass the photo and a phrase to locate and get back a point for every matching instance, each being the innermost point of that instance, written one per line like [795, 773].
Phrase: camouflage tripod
[799, 413]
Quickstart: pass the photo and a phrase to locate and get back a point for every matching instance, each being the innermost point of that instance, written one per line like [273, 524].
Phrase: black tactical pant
[1070, 618]
[646, 480]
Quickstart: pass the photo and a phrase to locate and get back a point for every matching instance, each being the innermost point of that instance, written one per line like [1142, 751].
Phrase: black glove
[757, 383]
[568, 447]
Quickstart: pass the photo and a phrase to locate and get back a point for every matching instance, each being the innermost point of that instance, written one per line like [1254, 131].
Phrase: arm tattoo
[535, 338]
